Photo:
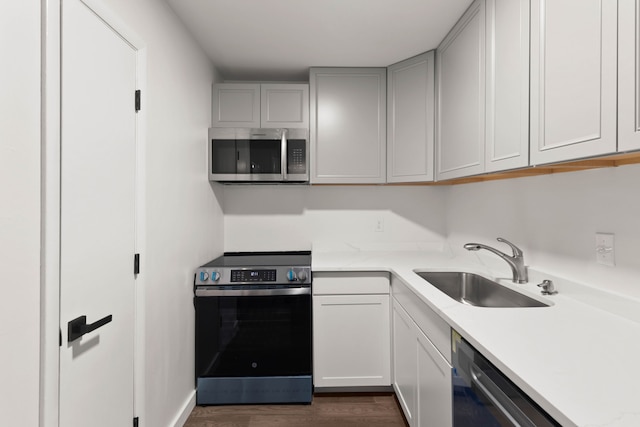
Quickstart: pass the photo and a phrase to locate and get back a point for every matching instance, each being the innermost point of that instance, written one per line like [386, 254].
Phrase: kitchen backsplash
[295, 217]
[553, 218]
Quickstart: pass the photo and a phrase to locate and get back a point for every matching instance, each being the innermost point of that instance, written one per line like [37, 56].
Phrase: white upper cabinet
[410, 119]
[483, 91]
[236, 105]
[628, 75]
[573, 79]
[460, 73]
[284, 105]
[507, 103]
[261, 105]
[348, 125]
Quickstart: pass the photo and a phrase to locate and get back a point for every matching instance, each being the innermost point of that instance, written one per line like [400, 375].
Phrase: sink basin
[471, 289]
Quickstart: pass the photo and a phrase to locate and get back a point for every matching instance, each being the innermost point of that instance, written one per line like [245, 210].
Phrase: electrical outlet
[379, 227]
[605, 249]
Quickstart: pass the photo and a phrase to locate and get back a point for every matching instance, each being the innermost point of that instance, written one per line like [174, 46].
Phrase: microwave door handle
[501, 401]
[283, 156]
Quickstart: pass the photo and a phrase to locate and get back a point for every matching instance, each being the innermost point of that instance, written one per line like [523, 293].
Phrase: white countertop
[577, 358]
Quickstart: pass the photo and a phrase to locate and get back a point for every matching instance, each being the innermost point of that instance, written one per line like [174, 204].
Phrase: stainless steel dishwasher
[484, 396]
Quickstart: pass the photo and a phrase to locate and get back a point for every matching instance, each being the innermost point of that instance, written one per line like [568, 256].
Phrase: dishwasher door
[484, 396]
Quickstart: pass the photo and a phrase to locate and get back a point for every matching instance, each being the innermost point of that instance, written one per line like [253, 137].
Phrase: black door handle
[78, 326]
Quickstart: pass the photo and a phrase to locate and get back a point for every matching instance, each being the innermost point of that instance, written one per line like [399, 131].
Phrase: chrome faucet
[516, 262]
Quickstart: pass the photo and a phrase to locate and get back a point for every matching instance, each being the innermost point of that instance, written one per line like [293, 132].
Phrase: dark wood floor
[326, 410]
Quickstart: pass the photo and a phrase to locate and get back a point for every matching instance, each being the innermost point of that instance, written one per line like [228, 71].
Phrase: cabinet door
[284, 105]
[573, 79]
[628, 75]
[351, 341]
[405, 381]
[507, 103]
[348, 125]
[460, 73]
[236, 105]
[435, 392]
[410, 119]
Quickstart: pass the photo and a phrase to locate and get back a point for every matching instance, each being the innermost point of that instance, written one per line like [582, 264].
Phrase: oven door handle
[200, 292]
[501, 401]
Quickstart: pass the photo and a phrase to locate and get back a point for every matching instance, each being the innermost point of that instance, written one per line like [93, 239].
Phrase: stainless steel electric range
[253, 329]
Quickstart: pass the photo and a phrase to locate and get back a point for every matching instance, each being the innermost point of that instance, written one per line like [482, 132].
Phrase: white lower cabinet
[421, 374]
[351, 330]
[355, 321]
[434, 386]
[405, 362]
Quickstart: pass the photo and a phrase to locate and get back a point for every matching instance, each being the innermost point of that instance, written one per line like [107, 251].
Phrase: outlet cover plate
[605, 249]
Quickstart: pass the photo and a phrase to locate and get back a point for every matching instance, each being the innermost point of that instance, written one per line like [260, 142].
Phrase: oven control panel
[253, 276]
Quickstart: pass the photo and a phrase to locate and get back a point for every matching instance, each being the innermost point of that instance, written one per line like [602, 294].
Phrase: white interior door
[97, 220]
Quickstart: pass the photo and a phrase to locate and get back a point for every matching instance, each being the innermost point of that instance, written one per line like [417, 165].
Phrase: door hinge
[60, 338]
[138, 101]
[135, 422]
[136, 264]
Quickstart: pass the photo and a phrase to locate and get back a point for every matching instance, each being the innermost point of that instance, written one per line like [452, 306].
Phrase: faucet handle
[547, 287]
[517, 252]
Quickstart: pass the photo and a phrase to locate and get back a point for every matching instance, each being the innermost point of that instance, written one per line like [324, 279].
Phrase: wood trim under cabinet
[613, 160]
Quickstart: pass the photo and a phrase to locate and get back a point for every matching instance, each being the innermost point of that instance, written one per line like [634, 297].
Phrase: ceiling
[278, 40]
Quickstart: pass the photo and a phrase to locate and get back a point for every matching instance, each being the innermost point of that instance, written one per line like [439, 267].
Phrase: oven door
[253, 346]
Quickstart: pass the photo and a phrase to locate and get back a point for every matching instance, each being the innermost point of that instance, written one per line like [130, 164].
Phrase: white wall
[554, 219]
[19, 212]
[183, 220]
[269, 217]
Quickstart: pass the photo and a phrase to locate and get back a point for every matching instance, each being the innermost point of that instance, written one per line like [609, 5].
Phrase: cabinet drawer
[432, 325]
[350, 283]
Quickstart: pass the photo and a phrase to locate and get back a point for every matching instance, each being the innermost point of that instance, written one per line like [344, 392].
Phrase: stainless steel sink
[471, 289]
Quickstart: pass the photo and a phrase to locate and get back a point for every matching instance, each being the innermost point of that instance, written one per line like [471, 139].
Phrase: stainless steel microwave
[258, 155]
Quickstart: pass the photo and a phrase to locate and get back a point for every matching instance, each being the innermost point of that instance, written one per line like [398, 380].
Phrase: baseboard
[182, 417]
[358, 389]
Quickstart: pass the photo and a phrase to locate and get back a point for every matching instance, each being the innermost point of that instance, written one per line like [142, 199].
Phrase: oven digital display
[253, 275]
